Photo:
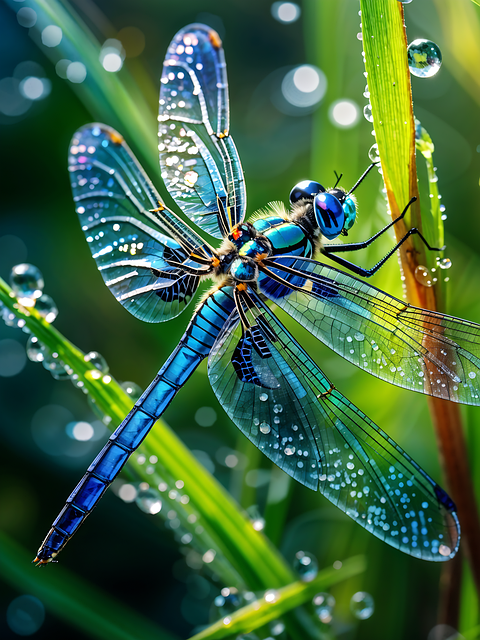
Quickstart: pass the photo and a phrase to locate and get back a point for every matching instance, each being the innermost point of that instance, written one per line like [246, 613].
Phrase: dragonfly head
[334, 210]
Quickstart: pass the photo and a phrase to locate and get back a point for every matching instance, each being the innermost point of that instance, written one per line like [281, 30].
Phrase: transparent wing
[200, 164]
[412, 348]
[284, 404]
[130, 244]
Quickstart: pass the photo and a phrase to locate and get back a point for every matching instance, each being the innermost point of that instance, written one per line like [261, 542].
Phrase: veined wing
[412, 348]
[284, 404]
[130, 244]
[200, 164]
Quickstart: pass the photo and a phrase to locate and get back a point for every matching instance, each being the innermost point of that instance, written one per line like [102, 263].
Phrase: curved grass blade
[276, 603]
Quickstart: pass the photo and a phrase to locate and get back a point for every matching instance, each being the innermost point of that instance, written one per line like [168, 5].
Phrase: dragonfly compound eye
[305, 190]
[350, 211]
[329, 215]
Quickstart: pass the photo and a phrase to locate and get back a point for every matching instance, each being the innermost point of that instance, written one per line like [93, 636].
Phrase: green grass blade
[275, 604]
[77, 602]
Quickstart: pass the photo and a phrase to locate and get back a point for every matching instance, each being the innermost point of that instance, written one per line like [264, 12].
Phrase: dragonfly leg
[356, 246]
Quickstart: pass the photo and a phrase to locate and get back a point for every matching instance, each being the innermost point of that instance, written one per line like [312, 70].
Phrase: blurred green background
[135, 557]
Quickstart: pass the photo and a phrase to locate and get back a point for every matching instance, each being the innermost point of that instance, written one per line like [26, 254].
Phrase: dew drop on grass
[26, 281]
[424, 58]
[323, 604]
[306, 565]
[362, 605]
[424, 276]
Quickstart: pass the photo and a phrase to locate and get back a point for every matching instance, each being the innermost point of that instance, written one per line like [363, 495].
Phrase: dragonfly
[153, 262]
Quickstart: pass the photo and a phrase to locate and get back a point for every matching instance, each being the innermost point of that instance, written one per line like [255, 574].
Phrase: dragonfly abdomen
[194, 346]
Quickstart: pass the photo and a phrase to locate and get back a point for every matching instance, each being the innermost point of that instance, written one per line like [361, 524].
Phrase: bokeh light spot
[12, 103]
[12, 358]
[35, 88]
[133, 41]
[287, 12]
[25, 615]
[52, 36]
[76, 72]
[26, 17]
[304, 86]
[112, 62]
[206, 416]
[344, 113]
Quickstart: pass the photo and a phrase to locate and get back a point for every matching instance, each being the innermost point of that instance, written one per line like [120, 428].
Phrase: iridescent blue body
[153, 263]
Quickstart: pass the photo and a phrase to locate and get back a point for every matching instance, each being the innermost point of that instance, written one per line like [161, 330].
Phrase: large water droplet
[96, 360]
[362, 605]
[424, 58]
[405, 1]
[444, 263]
[148, 500]
[324, 603]
[131, 389]
[306, 565]
[373, 153]
[367, 112]
[265, 427]
[423, 276]
[55, 366]
[35, 349]
[46, 307]
[26, 281]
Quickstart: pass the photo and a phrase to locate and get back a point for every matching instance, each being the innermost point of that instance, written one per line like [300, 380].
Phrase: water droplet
[46, 307]
[148, 500]
[265, 427]
[424, 58]
[323, 603]
[472, 375]
[367, 112]
[263, 397]
[306, 565]
[26, 281]
[362, 605]
[227, 602]
[96, 360]
[366, 92]
[373, 153]
[444, 263]
[359, 36]
[289, 451]
[359, 337]
[423, 276]
[405, 1]
[35, 349]
[25, 615]
[57, 368]
[131, 389]
[278, 408]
